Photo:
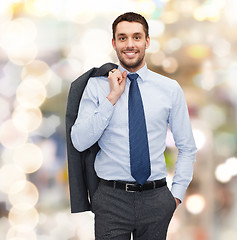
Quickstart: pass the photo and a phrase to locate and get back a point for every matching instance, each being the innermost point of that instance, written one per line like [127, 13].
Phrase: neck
[133, 69]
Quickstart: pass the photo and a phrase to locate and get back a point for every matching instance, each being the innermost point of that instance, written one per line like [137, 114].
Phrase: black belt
[133, 186]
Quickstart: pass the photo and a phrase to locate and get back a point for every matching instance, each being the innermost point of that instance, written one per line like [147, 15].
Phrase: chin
[132, 65]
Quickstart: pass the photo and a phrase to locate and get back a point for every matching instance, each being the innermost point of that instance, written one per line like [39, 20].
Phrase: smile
[130, 54]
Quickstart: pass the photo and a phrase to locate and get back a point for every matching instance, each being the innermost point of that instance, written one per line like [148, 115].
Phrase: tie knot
[133, 76]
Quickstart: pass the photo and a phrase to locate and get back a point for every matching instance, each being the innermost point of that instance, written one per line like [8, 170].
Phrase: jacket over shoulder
[83, 180]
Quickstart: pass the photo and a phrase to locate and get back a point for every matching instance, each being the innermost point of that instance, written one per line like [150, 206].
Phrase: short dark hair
[131, 17]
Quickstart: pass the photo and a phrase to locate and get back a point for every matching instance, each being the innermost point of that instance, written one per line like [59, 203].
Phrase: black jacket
[83, 180]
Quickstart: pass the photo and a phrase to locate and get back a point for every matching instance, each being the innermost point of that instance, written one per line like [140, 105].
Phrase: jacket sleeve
[83, 180]
[76, 166]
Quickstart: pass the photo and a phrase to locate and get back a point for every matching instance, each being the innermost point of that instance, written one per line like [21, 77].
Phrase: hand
[177, 202]
[117, 82]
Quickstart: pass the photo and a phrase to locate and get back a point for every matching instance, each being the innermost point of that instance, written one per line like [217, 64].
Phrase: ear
[113, 43]
[147, 41]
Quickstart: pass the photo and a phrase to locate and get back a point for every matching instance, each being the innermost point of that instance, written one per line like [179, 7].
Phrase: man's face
[130, 44]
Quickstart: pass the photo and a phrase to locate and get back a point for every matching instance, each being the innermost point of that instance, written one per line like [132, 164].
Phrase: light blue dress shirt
[164, 104]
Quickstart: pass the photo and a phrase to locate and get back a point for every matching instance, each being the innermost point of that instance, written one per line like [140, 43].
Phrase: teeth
[130, 53]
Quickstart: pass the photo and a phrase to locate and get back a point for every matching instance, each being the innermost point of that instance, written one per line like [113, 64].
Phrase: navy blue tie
[138, 141]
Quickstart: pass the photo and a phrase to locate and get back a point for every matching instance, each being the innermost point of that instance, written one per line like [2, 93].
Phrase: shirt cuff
[178, 191]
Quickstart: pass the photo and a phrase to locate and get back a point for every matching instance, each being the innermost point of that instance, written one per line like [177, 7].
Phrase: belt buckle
[127, 186]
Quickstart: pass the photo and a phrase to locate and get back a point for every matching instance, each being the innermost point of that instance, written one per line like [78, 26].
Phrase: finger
[113, 70]
[119, 76]
[110, 73]
[120, 79]
[124, 75]
[116, 74]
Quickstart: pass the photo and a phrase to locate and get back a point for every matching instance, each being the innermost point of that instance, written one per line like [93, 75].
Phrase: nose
[130, 43]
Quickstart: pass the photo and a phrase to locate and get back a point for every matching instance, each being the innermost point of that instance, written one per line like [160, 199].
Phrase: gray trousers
[145, 214]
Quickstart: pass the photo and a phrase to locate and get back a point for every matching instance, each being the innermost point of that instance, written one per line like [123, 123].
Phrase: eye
[137, 37]
[122, 38]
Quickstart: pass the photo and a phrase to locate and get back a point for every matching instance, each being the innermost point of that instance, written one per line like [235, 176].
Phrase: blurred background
[47, 44]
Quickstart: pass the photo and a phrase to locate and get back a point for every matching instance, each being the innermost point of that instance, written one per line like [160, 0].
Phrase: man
[132, 196]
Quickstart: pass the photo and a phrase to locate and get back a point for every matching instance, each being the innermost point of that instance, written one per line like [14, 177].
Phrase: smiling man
[130, 42]
[128, 113]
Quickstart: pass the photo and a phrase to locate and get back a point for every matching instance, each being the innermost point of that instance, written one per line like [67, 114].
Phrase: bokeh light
[49, 126]
[222, 47]
[27, 119]
[37, 69]
[172, 45]
[10, 175]
[26, 218]
[9, 80]
[170, 16]
[19, 232]
[5, 11]
[17, 39]
[21, 56]
[10, 136]
[28, 157]
[225, 171]
[18, 32]
[154, 46]
[5, 109]
[208, 78]
[68, 69]
[195, 204]
[55, 86]
[37, 7]
[157, 58]
[170, 65]
[210, 10]
[31, 93]
[199, 137]
[225, 144]
[213, 115]
[26, 197]
[156, 28]
[198, 51]
[101, 45]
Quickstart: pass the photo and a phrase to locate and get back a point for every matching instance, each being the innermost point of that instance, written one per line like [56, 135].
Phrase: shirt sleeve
[180, 127]
[93, 117]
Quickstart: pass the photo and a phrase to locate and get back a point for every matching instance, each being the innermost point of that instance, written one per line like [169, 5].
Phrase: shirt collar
[142, 72]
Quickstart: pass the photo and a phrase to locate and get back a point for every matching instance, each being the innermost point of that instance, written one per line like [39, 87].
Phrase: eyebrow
[124, 34]
[121, 34]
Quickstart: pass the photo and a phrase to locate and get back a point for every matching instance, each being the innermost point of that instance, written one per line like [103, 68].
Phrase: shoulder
[97, 80]
[97, 84]
[162, 80]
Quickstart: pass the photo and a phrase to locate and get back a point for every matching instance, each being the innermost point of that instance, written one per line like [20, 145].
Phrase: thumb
[124, 75]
